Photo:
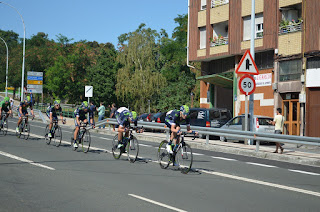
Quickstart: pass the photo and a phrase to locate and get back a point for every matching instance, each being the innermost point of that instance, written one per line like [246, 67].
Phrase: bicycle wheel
[26, 130]
[18, 134]
[164, 157]
[86, 141]
[184, 158]
[132, 149]
[46, 137]
[4, 127]
[116, 152]
[57, 136]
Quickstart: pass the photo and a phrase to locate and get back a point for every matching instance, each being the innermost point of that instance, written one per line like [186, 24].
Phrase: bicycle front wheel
[116, 152]
[26, 131]
[184, 158]
[5, 127]
[46, 137]
[57, 136]
[86, 142]
[164, 158]
[133, 149]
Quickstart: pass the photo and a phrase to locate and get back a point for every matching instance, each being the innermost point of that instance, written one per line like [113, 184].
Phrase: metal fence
[238, 134]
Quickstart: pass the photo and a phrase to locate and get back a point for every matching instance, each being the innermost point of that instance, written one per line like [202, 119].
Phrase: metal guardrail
[257, 136]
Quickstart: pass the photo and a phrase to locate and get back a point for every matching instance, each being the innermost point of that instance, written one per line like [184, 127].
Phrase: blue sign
[34, 78]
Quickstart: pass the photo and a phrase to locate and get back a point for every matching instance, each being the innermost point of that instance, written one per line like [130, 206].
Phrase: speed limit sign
[247, 84]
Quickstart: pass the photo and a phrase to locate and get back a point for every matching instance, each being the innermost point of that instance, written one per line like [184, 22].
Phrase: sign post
[88, 92]
[247, 83]
[35, 82]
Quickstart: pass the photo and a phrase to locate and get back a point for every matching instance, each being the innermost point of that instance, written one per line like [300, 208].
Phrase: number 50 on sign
[247, 84]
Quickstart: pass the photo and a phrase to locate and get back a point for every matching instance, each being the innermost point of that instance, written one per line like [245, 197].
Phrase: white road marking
[146, 145]
[197, 153]
[260, 164]
[262, 183]
[304, 172]
[157, 203]
[25, 160]
[221, 158]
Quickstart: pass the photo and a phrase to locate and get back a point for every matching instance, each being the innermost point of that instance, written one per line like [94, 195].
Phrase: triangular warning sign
[247, 65]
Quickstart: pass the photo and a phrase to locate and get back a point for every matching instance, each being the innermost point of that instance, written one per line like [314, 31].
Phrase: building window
[264, 60]
[258, 28]
[313, 62]
[219, 34]
[203, 4]
[290, 70]
[203, 37]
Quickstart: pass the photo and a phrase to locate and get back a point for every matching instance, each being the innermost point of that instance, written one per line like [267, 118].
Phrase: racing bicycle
[3, 123]
[24, 128]
[83, 138]
[56, 133]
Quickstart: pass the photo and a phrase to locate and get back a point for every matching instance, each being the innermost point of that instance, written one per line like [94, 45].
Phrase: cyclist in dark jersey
[5, 107]
[52, 115]
[22, 110]
[173, 120]
[80, 115]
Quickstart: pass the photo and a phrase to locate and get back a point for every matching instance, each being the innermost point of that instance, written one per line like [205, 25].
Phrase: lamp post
[24, 47]
[191, 94]
[6, 66]
[149, 105]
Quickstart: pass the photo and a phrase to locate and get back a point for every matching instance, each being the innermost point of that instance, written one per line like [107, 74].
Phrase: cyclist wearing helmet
[173, 120]
[52, 114]
[22, 110]
[5, 106]
[80, 115]
[124, 117]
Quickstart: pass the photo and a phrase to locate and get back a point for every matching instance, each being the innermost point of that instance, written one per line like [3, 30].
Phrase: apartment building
[287, 54]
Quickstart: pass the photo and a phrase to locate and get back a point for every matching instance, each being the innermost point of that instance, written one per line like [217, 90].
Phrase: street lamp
[24, 47]
[6, 66]
[149, 105]
[191, 94]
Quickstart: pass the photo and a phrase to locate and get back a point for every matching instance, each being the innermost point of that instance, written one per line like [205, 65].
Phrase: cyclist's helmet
[84, 105]
[57, 102]
[6, 99]
[184, 109]
[134, 114]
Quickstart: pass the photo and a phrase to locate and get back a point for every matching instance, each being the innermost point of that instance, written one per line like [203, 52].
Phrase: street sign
[35, 90]
[35, 78]
[247, 84]
[35, 82]
[34, 86]
[33, 73]
[10, 88]
[88, 91]
[247, 65]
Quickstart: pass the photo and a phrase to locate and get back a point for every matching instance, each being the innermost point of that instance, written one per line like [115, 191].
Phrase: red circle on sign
[244, 86]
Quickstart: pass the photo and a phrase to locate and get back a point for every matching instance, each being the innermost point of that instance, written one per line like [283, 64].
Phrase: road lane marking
[260, 164]
[146, 145]
[221, 158]
[259, 182]
[197, 153]
[25, 160]
[304, 172]
[157, 203]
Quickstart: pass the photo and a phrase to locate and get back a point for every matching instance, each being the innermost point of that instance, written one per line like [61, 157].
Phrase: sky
[95, 20]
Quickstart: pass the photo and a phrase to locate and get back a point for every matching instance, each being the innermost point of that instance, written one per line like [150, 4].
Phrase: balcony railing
[294, 27]
[217, 3]
[219, 41]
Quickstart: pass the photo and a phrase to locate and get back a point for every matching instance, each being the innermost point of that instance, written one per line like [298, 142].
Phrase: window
[258, 28]
[313, 62]
[290, 70]
[203, 4]
[203, 37]
[264, 60]
[214, 114]
[236, 121]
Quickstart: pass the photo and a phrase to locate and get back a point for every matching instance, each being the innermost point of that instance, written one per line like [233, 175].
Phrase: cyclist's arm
[77, 119]
[20, 110]
[0, 110]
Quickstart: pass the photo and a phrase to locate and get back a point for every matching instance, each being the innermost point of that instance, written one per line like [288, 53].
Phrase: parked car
[212, 117]
[238, 123]
[158, 117]
[145, 117]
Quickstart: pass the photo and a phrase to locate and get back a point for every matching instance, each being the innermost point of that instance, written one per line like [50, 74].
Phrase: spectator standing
[278, 123]
[92, 108]
[112, 113]
[101, 111]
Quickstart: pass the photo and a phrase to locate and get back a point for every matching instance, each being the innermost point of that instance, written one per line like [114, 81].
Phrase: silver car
[237, 123]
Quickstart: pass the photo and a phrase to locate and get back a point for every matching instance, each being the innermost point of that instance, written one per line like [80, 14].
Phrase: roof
[217, 79]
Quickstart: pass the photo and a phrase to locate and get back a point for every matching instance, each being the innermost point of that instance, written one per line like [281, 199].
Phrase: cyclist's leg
[77, 127]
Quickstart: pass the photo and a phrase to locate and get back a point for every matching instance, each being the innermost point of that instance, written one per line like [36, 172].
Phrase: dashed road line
[222, 158]
[260, 164]
[304, 172]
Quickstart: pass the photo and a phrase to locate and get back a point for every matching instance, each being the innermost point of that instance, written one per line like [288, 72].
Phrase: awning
[217, 79]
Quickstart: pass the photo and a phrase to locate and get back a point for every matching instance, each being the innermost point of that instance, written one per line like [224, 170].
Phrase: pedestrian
[92, 108]
[278, 123]
[101, 111]
[112, 113]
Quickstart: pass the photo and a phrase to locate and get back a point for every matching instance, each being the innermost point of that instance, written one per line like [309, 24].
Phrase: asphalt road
[39, 177]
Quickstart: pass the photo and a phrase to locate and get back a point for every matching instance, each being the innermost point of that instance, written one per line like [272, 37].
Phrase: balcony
[218, 41]
[290, 27]
[217, 3]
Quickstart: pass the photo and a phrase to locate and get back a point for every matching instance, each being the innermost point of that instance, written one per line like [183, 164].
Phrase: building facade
[287, 54]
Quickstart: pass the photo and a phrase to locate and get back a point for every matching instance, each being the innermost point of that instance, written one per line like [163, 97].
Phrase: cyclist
[135, 121]
[5, 107]
[173, 120]
[80, 115]
[22, 110]
[124, 117]
[52, 115]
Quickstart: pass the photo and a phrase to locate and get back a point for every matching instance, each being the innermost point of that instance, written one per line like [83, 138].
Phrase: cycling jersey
[79, 112]
[5, 107]
[24, 108]
[54, 111]
[122, 116]
[173, 118]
